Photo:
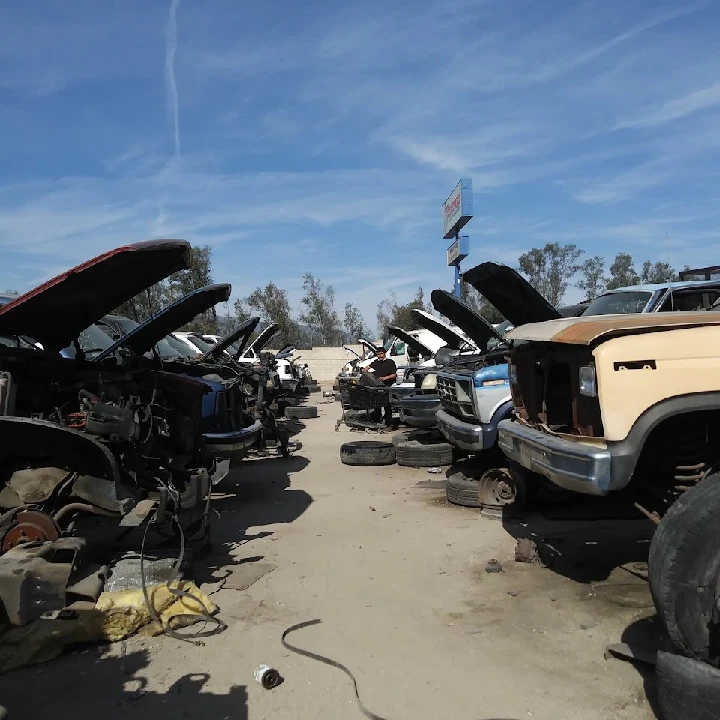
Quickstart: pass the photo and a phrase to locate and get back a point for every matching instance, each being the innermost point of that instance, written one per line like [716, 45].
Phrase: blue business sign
[457, 209]
[458, 251]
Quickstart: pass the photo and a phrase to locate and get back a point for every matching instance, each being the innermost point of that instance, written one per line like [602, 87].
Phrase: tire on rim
[367, 452]
[501, 492]
[684, 571]
[687, 688]
[301, 412]
[423, 453]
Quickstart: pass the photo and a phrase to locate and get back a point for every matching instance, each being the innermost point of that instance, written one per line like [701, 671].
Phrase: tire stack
[684, 577]
[414, 448]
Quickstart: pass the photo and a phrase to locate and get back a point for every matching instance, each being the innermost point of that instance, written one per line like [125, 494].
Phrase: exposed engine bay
[84, 440]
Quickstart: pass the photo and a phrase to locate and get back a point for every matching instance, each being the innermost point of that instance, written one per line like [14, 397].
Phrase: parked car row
[618, 395]
[105, 417]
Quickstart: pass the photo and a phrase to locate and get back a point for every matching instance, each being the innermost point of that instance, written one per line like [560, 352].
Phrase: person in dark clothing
[385, 370]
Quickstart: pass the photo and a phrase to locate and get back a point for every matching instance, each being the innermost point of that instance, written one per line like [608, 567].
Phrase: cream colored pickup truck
[632, 403]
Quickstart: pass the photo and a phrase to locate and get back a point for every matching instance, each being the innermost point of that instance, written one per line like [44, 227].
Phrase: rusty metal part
[501, 490]
[653, 516]
[29, 526]
[34, 578]
[81, 507]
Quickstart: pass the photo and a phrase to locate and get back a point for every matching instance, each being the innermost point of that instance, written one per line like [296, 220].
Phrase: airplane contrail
[170, 49]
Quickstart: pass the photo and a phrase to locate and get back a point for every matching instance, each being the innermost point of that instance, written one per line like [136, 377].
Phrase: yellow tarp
[115, 616]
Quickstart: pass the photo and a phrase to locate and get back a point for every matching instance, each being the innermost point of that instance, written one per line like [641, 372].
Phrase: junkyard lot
[398, 578]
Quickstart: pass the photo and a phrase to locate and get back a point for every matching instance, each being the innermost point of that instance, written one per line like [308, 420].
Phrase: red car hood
[56, 312]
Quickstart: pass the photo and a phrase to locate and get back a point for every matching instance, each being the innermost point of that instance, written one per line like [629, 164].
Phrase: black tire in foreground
[367, 452]
[684, 571]
[687, 689]
[301, 412]
[462, 490]
[423, 453]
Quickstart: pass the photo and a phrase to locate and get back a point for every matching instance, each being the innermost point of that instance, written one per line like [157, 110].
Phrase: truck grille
[456, 395]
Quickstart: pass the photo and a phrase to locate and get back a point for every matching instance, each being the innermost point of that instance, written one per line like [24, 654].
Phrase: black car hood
[516, 299]
[56, 312]
[419, 347]
[453, 339]
[475, 327]
[147, 334]
[264, 337]
[242, 334]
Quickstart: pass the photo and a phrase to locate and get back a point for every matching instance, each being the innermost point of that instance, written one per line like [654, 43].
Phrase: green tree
[592, 281]
[622, 272]
[354, 323]
[272, 305]
[471, 297]
[659, 272]
[390, 312]
[319, 314]
[549, 269]
[153, 299]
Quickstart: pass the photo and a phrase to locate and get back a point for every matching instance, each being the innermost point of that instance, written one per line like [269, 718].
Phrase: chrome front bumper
[419, 410]
[569, 464]
[471, 436]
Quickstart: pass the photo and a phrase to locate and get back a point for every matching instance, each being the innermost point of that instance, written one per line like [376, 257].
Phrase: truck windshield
[630, 301]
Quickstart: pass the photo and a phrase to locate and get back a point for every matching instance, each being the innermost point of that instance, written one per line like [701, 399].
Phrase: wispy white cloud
[676, 109]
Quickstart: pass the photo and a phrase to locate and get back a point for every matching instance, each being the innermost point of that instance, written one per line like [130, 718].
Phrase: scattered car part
[267, 676]
[687, 688]
[417, 434]
[493, 566]
[367, 452]
[34, 578]
[423, 453]
[301, 412]
[684, 571]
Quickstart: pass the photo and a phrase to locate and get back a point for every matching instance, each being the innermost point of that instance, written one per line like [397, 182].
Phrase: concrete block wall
[325, 362]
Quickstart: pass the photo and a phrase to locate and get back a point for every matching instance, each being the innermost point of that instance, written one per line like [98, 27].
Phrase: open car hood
[147, 334]
[475, 327]
[358, 357]
[453, 339]
[264, 337]
[56, 312]
[241, 334]
[516, 299]
[412, 342]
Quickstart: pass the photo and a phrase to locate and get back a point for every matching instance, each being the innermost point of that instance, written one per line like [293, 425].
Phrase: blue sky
[324, 136]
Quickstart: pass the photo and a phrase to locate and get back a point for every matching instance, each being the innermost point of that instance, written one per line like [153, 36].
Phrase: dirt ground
[397, 577]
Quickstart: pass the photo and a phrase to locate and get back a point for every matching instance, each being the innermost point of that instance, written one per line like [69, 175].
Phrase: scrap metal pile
[113, 433]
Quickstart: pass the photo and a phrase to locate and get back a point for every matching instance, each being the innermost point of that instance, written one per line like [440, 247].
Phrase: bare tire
[367, 452]
[501, 492]
[418, 453]
[462, 490]
[301, 412]
[420, 435]
[684, 571]
[687, 688]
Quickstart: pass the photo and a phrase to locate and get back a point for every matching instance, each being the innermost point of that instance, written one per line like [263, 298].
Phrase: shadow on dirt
[95, 684]
[647, 635]
[586, 538]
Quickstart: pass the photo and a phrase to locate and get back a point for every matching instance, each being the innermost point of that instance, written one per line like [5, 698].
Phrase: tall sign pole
[457, 212]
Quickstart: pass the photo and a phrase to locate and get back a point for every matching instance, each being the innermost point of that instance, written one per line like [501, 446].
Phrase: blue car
[228, 429]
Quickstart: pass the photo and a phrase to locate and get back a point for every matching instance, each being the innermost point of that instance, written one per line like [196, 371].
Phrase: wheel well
[678, 452]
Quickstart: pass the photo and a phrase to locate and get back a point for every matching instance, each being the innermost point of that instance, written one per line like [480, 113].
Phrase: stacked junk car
[618, 396]
[113, 434]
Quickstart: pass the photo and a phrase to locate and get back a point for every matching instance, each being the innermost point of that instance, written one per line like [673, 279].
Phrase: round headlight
[429, 382]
